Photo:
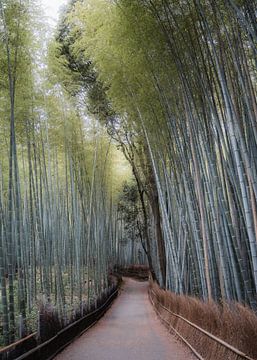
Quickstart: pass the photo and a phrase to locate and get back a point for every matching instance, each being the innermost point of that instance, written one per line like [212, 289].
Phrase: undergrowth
[232, 322]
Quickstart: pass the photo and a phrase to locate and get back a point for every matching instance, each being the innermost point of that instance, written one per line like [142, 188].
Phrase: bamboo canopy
[171, 87]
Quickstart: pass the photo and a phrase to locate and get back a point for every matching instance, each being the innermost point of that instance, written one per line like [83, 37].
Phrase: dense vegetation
[172, 84]
[57, 216]
[180, 85]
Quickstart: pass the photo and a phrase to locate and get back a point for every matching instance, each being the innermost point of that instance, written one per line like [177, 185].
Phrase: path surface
[130, 330]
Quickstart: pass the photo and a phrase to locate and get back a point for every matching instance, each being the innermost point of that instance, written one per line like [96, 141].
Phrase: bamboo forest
[128, 139]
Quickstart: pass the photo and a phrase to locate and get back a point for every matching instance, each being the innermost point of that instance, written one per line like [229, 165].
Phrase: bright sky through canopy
[52, 7]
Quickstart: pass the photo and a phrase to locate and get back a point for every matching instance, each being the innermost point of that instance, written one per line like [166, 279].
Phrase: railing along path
[51, 347]
[211, 336]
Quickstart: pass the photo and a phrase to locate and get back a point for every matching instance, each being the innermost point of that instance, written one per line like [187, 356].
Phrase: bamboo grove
[180, 77]
[57, 233]
[172, 85]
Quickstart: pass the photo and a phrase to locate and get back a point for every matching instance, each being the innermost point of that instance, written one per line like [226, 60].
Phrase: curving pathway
[130, 330]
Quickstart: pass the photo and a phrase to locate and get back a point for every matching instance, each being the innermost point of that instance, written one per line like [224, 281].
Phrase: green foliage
[181, 74]
[56, 226]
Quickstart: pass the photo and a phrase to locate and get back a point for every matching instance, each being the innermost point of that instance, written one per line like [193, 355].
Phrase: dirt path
[130, 330]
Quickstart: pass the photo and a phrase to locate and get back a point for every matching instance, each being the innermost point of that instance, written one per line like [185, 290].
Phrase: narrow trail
[130, 330]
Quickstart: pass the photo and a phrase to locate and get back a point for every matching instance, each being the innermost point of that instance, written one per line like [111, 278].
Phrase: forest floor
[129, 330]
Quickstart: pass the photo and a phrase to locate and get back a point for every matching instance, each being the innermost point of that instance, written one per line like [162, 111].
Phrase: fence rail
[27, 342]
[50, 348]
[211, 336]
